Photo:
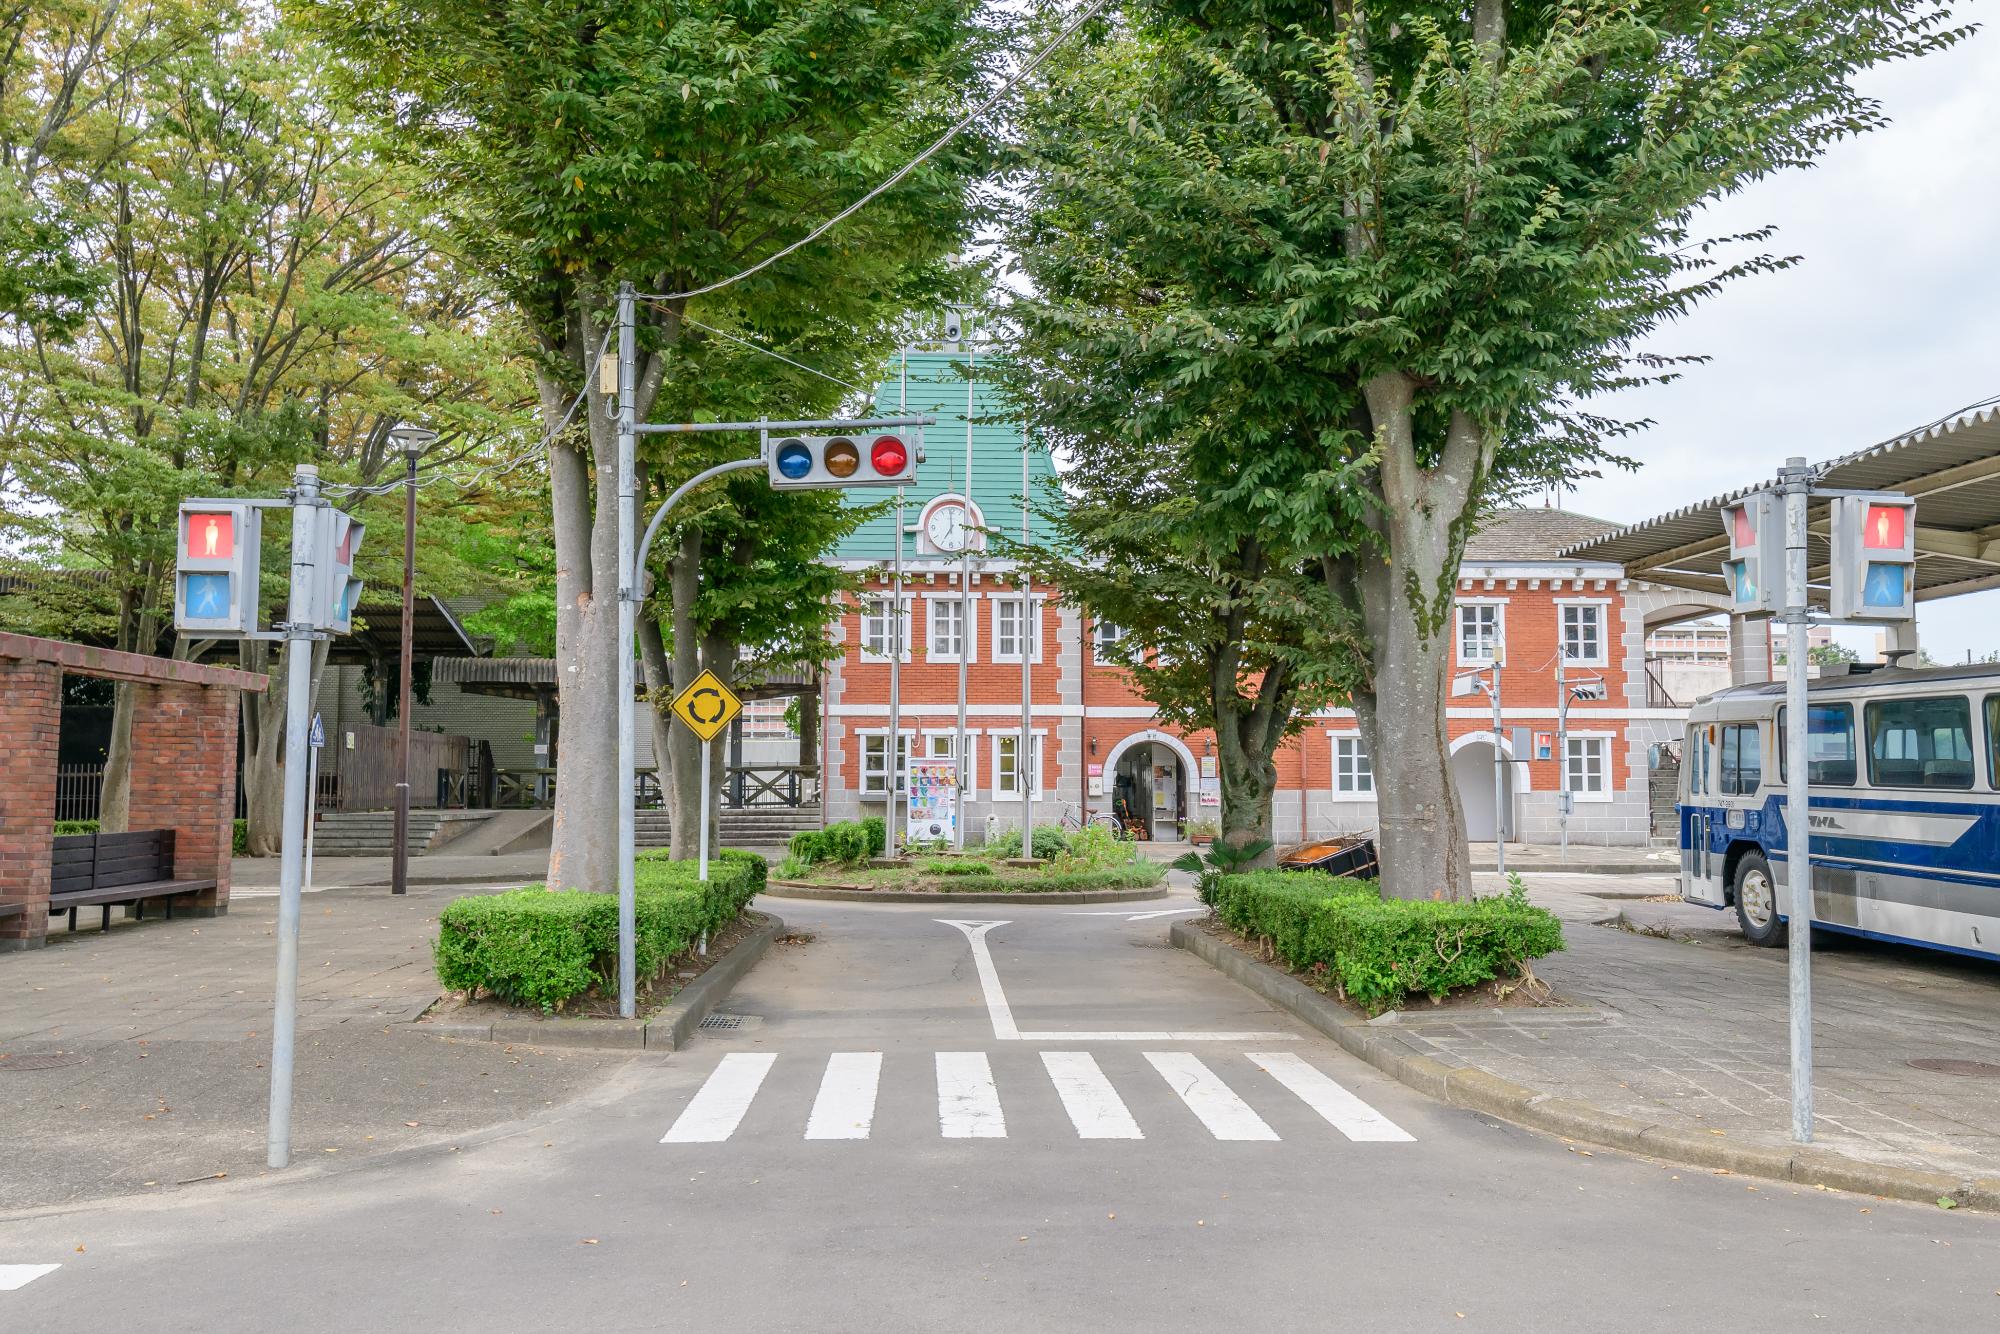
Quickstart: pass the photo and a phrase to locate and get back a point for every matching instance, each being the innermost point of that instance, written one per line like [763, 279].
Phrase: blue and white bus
[1904, 774]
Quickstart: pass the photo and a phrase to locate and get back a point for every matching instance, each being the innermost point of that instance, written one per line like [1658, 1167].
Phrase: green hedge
[847, 842]
[542, 947]
[1377, 951]
[1137, 875]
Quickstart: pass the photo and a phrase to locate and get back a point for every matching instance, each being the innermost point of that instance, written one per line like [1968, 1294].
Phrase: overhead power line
[896, 177]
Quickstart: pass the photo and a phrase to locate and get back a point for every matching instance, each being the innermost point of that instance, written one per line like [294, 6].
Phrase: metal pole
[1797, 483]
[893, 750]
[1027, 770]
[965, 603]
[300, 608]
[1562, 749]
[1499, 771]
[707, 754]
[399, 877]
[312, 809]
[628, 594]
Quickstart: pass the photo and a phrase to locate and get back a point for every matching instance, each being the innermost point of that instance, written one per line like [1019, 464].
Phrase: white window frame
[1035, 617]
[870, 781]
[931, 605]
[939, 746]
[1604, 743]
[1603, 608]
[1004, 739]
[1106, 639]
[1499, 607]
[1360, 762]
[870, 599]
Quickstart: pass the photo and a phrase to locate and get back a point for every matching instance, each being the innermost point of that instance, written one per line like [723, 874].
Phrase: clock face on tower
[946, 527]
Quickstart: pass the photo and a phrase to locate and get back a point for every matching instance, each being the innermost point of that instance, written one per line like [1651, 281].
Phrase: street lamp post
[412, 439]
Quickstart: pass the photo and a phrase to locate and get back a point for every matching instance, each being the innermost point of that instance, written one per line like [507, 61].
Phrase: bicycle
[1071, 819]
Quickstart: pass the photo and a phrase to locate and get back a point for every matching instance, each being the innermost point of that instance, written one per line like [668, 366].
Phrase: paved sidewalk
[258, 876]
[1689, 1027]
[153, 1042]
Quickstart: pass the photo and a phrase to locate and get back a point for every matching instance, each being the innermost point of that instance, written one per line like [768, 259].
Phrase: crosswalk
[970, 1105]
[19, 1276]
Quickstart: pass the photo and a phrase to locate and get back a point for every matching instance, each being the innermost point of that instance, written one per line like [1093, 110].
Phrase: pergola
[1951, 467]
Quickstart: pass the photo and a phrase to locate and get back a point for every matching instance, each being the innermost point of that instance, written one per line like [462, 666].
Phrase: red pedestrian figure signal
[1884, 528]
[211, 536]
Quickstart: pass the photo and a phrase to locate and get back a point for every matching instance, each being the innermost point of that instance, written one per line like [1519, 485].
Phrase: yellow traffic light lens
[842, 457]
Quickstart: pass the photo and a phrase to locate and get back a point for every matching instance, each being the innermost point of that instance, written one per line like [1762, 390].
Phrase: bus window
[1829, 745]
[1920, 742]
[1704, 774]
[1993, 740]
[1742, 759]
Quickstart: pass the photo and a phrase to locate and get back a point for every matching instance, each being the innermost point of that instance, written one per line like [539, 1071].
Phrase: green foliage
[543, 948]
[1139, 874]
[956, 866]
[1091, 848]
[1220, 860]
[1050, 841]
[66, 828]
[1340, 934]
[844, 843]
[877, 831]
[239, 833]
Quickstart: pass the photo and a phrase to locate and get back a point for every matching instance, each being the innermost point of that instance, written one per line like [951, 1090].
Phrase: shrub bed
[845, 842]
[1375, 951]
[239, 833]
[542, 948]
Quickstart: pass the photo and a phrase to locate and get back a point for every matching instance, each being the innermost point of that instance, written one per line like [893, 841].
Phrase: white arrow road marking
[1140, 916]
[1345, 1112]
[1002, 1015]
[1226, 1115]
[719, 1106]
[845, 1108]
[1094, 1107]
[968, 1102]
[19, 1276]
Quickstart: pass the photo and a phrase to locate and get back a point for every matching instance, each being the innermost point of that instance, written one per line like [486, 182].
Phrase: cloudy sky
[1891, 320]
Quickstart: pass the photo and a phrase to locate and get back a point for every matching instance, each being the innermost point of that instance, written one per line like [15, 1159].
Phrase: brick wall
[30, 718]
[184, 779]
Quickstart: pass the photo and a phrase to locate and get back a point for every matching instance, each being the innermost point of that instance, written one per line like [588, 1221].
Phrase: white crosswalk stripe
[969, 1104]
[1094, 1107]
[968, 1101]
[1226, 1115]
[719, 1107]
[19, 1276]
[845, 1108]
[1343, 1111]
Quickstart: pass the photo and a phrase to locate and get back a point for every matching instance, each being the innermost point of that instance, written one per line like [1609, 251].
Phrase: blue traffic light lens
[794, 460]
[1883, 586]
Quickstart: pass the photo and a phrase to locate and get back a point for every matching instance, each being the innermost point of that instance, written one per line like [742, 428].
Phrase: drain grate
[1943, 1065]
[723, 1021]
[39, 1060]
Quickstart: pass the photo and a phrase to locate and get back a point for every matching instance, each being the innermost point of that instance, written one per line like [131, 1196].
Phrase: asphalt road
[871, 1149]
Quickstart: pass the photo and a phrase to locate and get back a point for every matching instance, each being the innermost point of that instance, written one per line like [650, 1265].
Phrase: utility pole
[893, 751]
[965, 593]
[628, 595]
[1028, 769]
[1499, 766]
[412, 439]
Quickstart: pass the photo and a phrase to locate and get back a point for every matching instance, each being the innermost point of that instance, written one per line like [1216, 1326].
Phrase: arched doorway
[1472, 771]
[1148, 790]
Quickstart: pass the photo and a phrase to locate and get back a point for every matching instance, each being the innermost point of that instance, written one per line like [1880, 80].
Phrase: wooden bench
[109, 869]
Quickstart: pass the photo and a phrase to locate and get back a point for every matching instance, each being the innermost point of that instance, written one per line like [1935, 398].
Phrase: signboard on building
[933, 793]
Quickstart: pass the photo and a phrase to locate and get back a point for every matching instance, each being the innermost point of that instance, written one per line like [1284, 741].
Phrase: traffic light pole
[1795, 480]
[628, 606]
[299, 634]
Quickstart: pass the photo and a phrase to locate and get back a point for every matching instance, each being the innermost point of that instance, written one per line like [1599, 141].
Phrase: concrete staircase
[745, 827]
[1662, 791]
[373, 833]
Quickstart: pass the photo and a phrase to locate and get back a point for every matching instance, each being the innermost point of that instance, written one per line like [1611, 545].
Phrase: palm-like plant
[1220, 860]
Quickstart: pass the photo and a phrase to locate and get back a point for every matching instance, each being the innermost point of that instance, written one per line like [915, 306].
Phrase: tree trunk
[660, 718]
[263, 721]
[583, 845]
[114, 799]
[1407, 606]
[684, 584]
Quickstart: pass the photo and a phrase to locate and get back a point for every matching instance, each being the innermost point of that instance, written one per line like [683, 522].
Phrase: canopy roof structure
[1951, 467]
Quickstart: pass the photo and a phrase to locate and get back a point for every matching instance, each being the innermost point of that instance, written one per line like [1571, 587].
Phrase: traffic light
[1755, 570]
[340, 538]
[216, 567]
[1874, 573]
[805, 462]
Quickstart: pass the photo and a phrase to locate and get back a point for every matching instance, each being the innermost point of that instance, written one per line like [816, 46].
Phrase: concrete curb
[1584, 868]
[1478, 1090]
[790, 889]
[669, 1030]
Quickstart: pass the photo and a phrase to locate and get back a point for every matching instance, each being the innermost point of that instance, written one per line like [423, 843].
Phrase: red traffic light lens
[1883, 529]
[889, 456]
[841, 457]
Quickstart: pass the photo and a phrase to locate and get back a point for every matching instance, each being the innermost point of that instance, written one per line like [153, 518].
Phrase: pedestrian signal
[1873, 576]
[1755, 569]
[215, 567]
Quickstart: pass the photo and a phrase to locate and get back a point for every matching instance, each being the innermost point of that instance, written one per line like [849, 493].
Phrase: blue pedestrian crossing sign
[317, 737]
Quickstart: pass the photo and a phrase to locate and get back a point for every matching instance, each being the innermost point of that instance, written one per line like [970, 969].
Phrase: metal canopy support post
[303, 609]
[628, 605]
[1796, 483]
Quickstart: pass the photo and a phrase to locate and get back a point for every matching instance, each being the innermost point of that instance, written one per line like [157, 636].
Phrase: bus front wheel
[1757, 901]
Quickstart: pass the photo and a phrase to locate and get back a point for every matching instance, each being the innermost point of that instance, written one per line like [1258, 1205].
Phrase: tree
[1229, 626]
[671, 145]
[1414, 237]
